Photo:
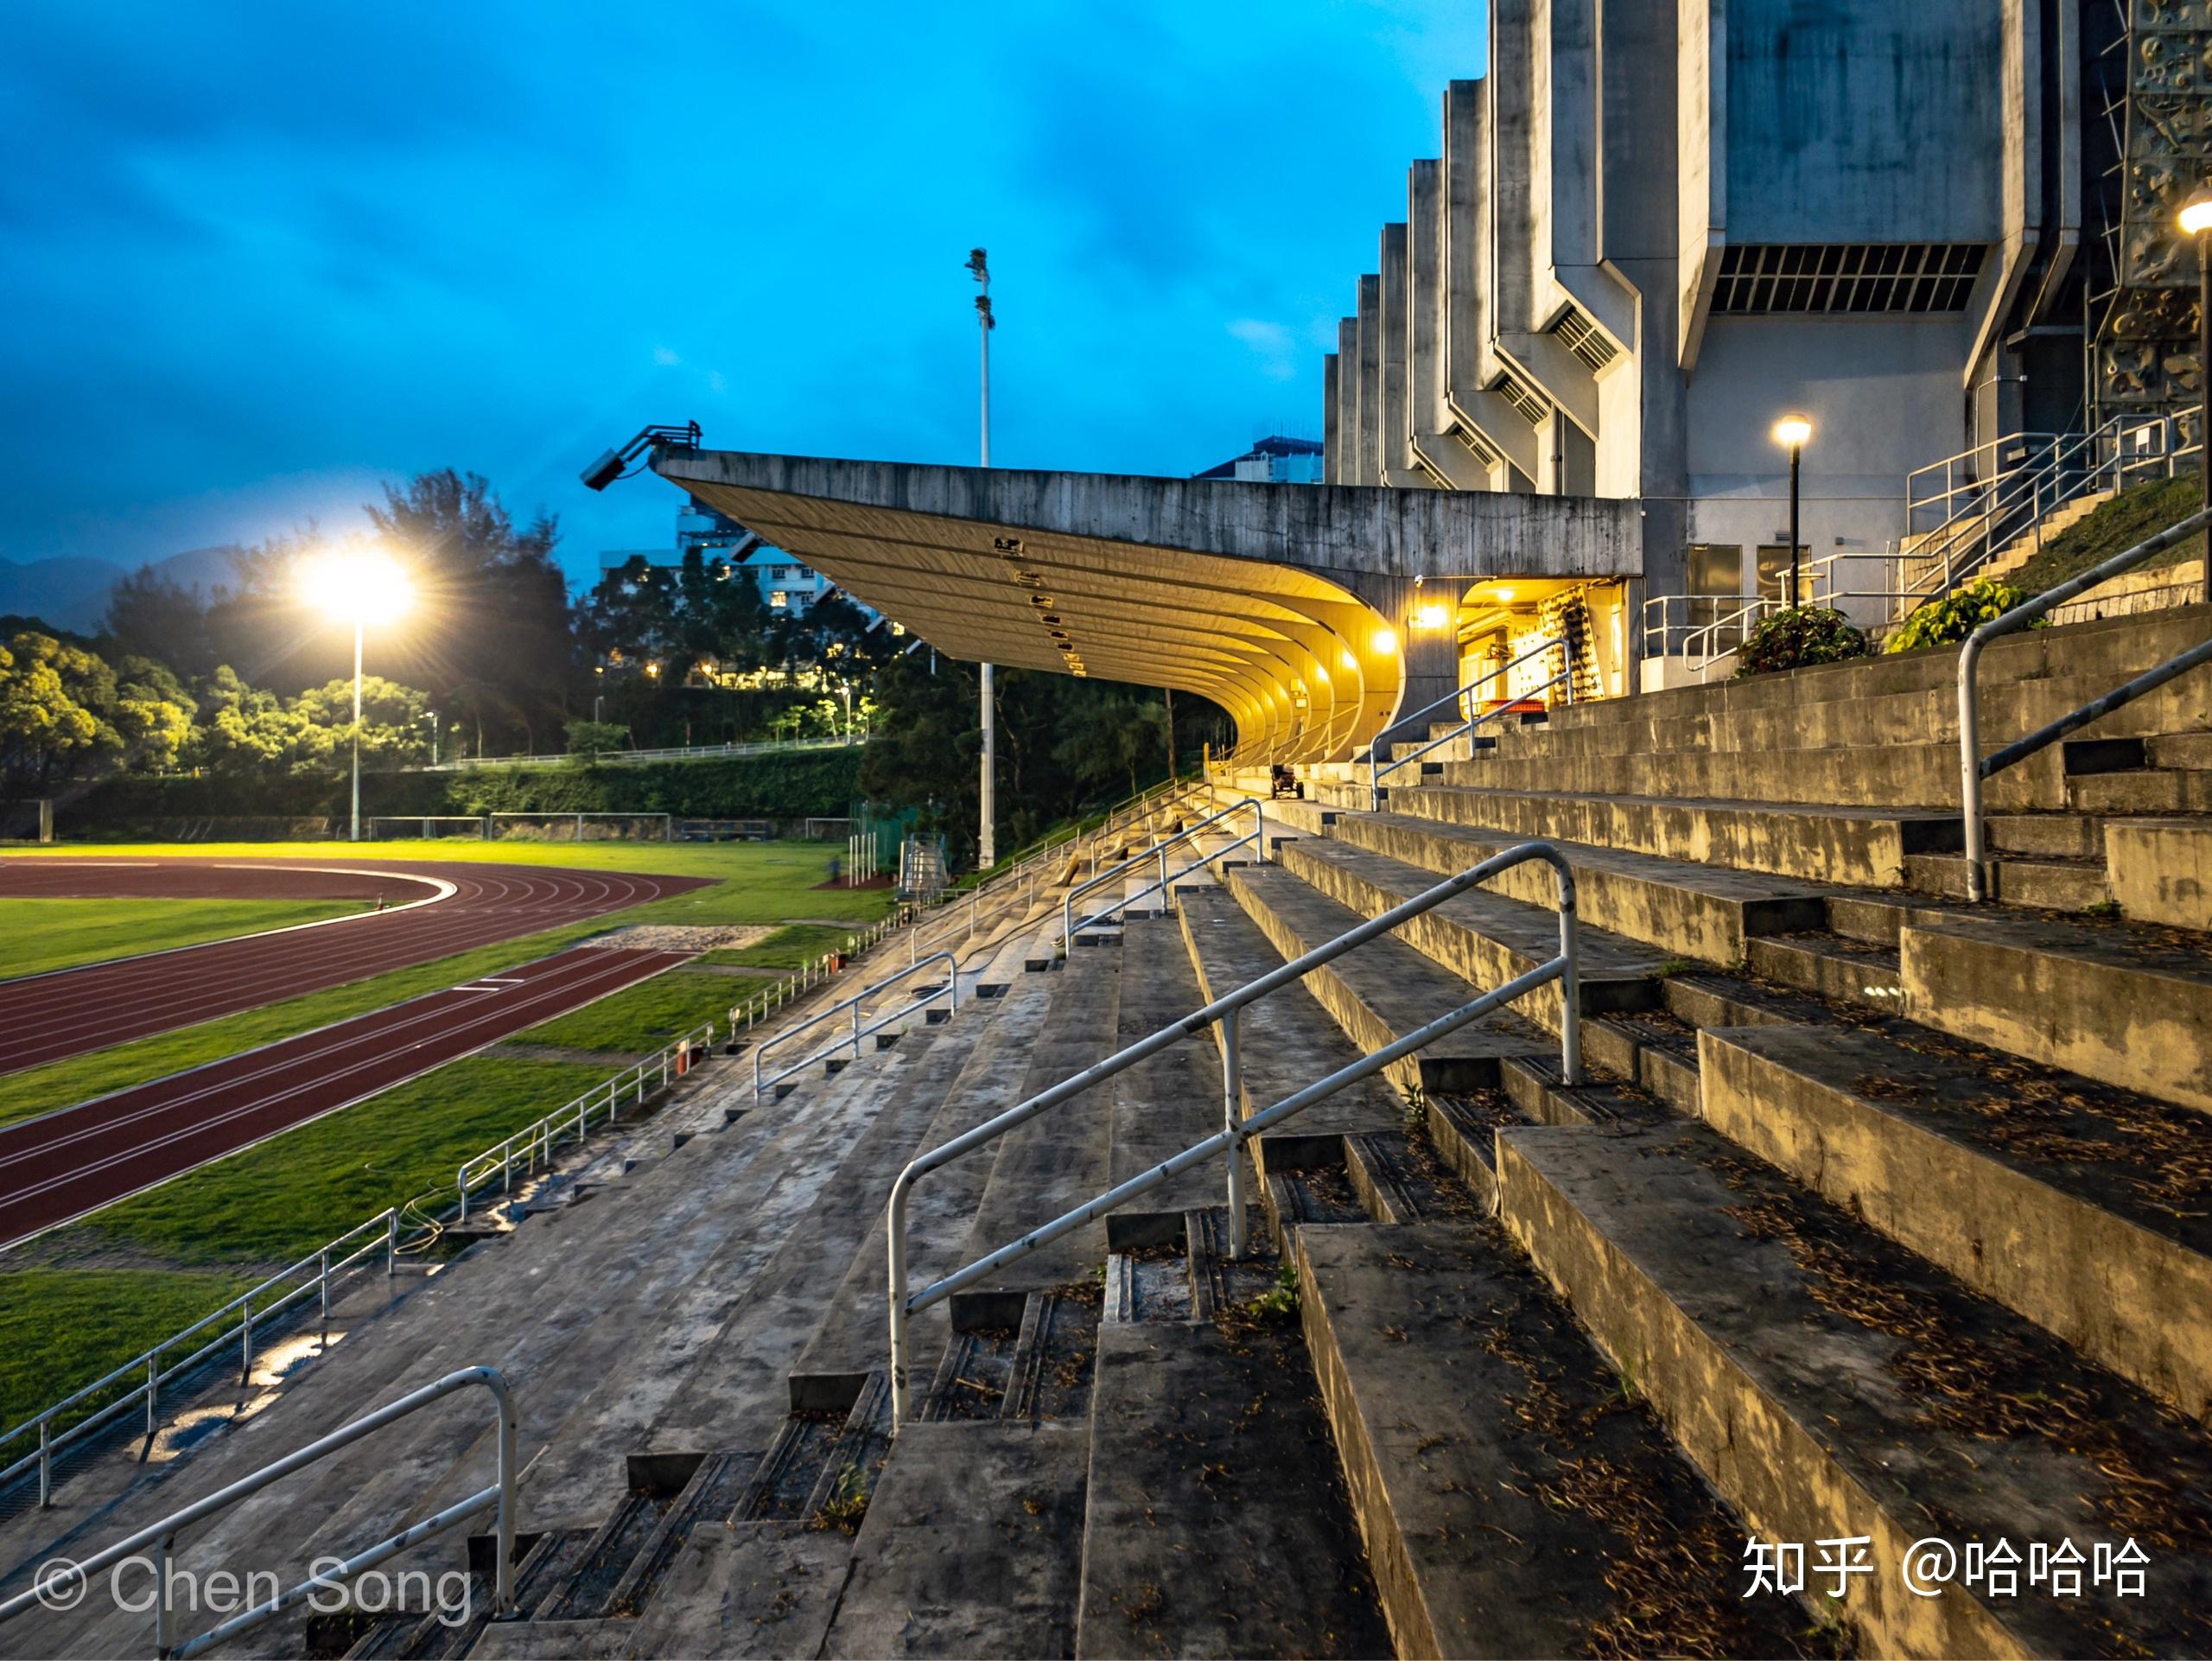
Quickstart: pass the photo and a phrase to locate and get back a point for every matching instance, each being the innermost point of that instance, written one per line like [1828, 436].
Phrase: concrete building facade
[1652, 230]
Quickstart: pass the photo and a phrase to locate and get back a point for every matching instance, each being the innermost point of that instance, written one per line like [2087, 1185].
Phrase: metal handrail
[1973, 767]
[1253, 838]
[1457, 693]
[1374, 779]
[1070, 928]
[1237, 1130]
[537, 1139]
[952, 988]
[58, 1578]
[150, 1373]
[626, 758]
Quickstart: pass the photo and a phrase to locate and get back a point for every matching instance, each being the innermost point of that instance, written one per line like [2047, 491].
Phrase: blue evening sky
[255, 258]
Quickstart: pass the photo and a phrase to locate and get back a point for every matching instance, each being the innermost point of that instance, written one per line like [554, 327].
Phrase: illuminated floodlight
[1345, 658]
[1791, 432]
[2196, 214]
[1431, 618]
[360, 586]
[1385, 641]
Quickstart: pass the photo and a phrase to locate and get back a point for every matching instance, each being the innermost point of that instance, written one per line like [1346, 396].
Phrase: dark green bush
[1798, 635]
[1950, 619]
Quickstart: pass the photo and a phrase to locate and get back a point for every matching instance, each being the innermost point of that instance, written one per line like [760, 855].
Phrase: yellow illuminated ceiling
[1308, 671]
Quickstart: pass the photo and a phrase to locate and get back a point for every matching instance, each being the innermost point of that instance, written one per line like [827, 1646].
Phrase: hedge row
[794, 786]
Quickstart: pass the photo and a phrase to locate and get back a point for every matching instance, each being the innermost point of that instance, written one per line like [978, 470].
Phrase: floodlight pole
[356, 729]
[986, 835]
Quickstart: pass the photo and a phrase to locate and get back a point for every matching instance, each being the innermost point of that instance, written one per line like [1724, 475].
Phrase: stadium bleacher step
[1373, 992]
[1285, 1040]
[972, 1545]
[1831, 1385]
[1214, 1500]
[438, 1633]
[1167, 1102]
[2080, 1206]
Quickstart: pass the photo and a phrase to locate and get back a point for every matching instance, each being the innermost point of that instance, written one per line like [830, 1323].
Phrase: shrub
[1950, 619]
[1798, 635]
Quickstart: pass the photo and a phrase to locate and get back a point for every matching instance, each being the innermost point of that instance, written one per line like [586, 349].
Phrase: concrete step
[972, 1545]
[1831, 965]
[2190, 751]
[2141, 790]
[1384, 990]
[1905, 774]
[1513, 1497]
[2160, 871]
[1832, 1386]
[1484, 937]
[1286, 1040]
[2122, 1003]
[2049, 883]
[2080, 1206]
[2062, 836]
[1863, 847]
[1691, 910]
[1216, 1520]
[1164, 1104]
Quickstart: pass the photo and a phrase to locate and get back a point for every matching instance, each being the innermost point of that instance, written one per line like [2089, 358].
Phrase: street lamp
[1791, 432]
[359, 586]
[2197, 221]
[986, 838]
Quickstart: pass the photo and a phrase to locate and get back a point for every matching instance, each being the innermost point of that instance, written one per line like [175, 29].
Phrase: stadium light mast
[359, 586]
[987, 839]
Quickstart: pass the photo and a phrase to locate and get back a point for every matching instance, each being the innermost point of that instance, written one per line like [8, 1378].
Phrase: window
[779, 600]
[1843, 277]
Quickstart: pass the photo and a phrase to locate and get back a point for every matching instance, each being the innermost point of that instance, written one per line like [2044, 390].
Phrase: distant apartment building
[786, 583]
[1274, 460]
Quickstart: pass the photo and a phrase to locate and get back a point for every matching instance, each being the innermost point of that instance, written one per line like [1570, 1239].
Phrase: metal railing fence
[1237, 1128]
[950, 990]
[140, 1379]
[1257, 837]
[1461, 699]
[534, 1144]
[1974, 765]
[1376, 777]
[630, 758]
[57, 1579]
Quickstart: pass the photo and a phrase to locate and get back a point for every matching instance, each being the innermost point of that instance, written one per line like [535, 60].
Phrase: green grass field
[759, 883]
[787, 948]
[64, 1323]
[38, 936]
[644, 1016]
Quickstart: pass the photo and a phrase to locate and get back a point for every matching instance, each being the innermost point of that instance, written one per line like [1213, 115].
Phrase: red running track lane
[45, 1018]
[68, 1162]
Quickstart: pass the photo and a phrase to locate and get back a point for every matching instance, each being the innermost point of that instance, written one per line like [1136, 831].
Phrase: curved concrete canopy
[1287, 606]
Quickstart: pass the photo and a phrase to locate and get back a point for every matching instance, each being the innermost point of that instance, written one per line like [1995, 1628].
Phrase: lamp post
[986, 838]
[359, 586]
[432, 717]
[1791, 432]
[2196, 222]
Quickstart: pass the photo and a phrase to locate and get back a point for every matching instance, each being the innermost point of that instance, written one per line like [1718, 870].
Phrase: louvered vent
[1530, 404]
[1581, 336]
[1476, 445]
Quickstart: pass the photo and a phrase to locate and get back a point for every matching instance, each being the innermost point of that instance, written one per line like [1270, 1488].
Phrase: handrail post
[164, 1617]
[1970, 767]
[153, 1390]
[45, 1464]
[503, 1580]
[246, 1344]
[391, 1243]
[895, 1233]
[1570, 982]
[1232, 1114]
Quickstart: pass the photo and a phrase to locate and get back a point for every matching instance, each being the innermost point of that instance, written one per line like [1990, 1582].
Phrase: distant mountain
[72, 592]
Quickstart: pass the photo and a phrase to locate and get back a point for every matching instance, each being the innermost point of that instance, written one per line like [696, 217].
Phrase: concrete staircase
[1876, 1218]
[1919, 560]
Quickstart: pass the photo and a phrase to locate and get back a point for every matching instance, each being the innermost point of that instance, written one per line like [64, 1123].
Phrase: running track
[71, 1161]
[45, 1018]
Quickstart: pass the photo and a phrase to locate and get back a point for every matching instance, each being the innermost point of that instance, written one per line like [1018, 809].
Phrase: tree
[588, 740]
[49, 725]
[152, 616]
[392, 724]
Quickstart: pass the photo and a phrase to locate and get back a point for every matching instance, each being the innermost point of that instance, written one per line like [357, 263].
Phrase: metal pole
[2204, 360]
[987, 839]
[1796, 452]
[1232, 1114]
[357, 730]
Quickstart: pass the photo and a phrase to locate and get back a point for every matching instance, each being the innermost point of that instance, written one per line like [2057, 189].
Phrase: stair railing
[1454, 698]
[1237, 1130]
[534, 1142]
[1974, 765]
[950, 990]
[57, 1579]
[1257, 836]
[1374, 779]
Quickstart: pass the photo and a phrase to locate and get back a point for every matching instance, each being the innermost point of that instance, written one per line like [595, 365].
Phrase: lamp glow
[356, 585]
[1431, 617]
[1385, 641]
[1345, 658]
[2196, 214]
[1791, 431]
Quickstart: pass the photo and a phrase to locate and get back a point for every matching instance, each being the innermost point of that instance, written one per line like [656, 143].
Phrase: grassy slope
[2114, 527]
[38, 936]
[787, 948]
[60, 1329]
[762, 882]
